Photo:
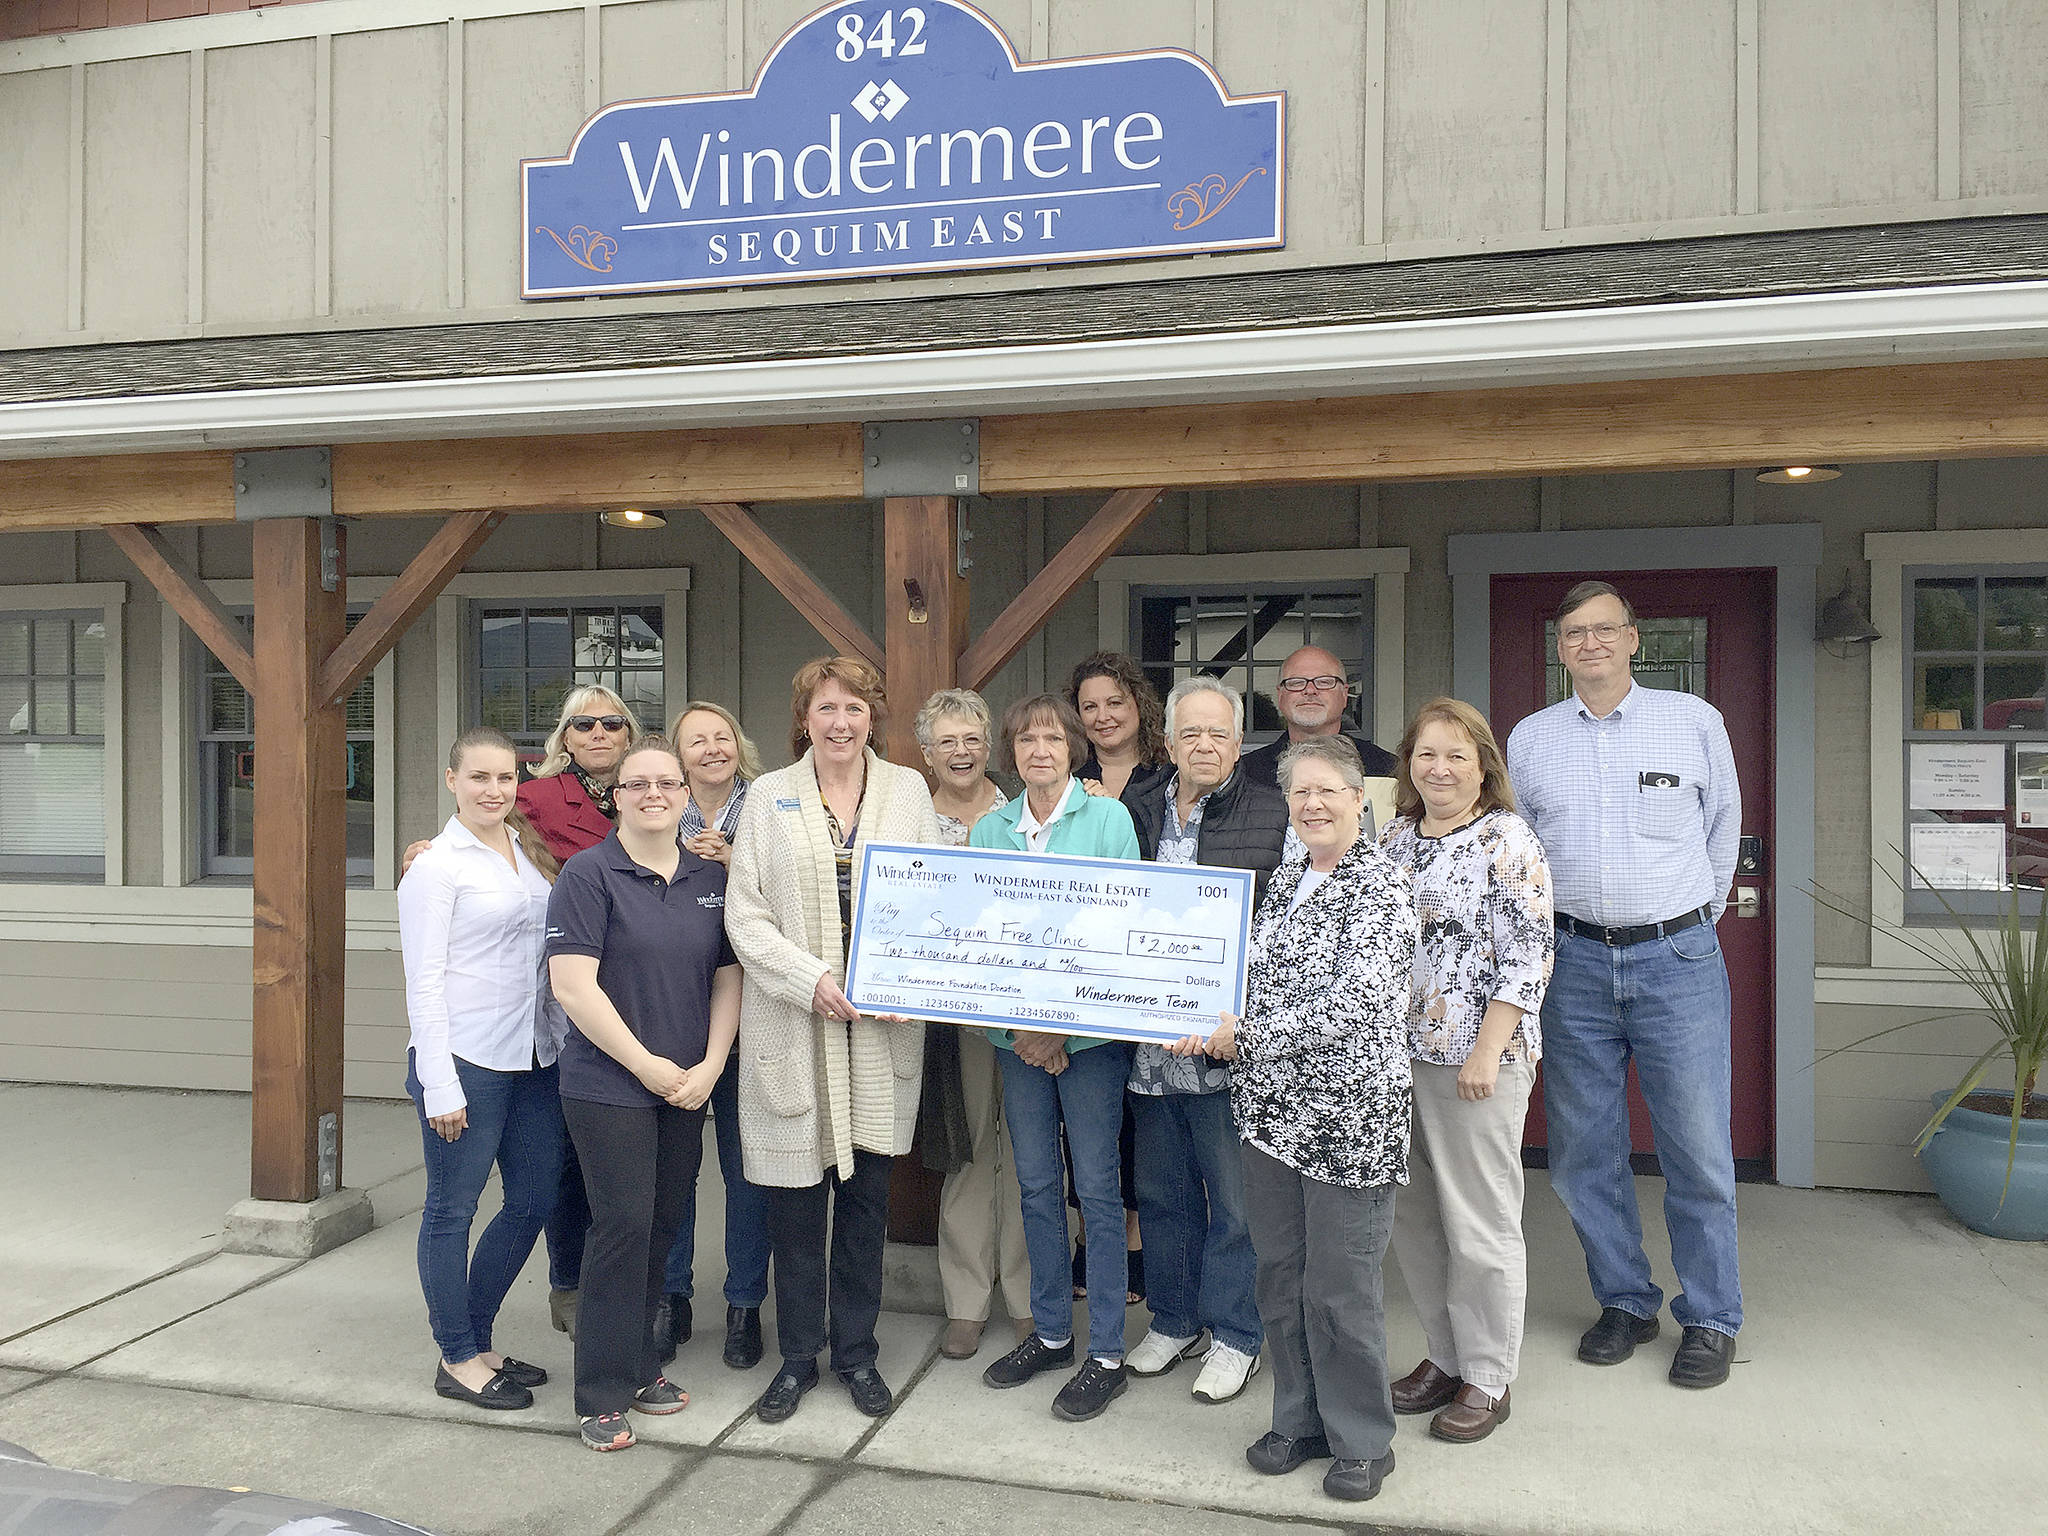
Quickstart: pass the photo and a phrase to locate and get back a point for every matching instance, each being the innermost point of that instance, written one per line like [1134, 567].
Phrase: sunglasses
[592, 722]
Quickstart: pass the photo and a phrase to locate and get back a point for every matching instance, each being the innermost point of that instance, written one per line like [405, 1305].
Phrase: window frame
[106, 600]
[472, 647]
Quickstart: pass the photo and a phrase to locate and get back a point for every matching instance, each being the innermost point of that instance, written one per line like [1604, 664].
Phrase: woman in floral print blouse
[1320, 1096]
[1482, 895]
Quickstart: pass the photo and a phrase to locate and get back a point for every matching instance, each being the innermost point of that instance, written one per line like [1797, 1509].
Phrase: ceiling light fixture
[1798, 474]
[633, 517]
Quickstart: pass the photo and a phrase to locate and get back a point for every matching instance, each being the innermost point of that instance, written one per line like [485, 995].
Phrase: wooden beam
[101, 489]
[425, 576]
[301, 857]
[842, 631]
[190, 598]
[1079, 558]
[593, 471]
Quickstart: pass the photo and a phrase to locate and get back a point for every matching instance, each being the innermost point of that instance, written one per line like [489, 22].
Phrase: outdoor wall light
[1798, 474]
[1843, 622]
[633, 517]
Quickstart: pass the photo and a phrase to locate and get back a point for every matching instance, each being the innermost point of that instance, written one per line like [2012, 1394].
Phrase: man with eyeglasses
[1312, 694]
[1632, 792]
[1199, 1267]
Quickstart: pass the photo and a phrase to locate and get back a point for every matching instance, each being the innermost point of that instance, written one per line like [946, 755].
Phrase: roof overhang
[1934, 323]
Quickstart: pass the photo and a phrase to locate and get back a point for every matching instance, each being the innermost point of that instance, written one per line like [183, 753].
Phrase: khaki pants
[1458, 1226]
[981, 1218]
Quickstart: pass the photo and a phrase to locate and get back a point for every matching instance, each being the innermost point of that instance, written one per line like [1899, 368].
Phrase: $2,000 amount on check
[1074, 946]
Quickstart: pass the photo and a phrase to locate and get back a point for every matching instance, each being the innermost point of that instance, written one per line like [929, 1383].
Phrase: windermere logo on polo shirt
[715, 899]
[884, 138]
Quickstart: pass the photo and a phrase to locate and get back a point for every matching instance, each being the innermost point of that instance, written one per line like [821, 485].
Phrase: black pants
[639, 1167]
[857, 1211]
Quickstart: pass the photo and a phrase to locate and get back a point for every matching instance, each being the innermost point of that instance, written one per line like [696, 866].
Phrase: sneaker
[607, 1432]
[1093, 1388]
[1027, 1360]
[1224, 1372]
[660, 1396]
[1157, 1353]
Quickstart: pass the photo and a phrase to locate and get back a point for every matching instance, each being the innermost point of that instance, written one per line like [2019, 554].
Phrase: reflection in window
[528, 657]
[52, 743]
[1241, 635]
[1672, 655]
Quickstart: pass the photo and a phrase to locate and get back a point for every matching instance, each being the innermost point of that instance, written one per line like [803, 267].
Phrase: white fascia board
[1793, 332]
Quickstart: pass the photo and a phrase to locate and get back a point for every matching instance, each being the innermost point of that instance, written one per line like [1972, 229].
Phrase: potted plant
[1986, 1150]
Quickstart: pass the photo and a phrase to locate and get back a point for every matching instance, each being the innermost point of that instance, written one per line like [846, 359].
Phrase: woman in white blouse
[472, 911]
[1482, 896]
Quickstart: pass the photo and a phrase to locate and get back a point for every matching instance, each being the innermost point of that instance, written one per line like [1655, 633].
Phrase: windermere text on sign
[884, 138]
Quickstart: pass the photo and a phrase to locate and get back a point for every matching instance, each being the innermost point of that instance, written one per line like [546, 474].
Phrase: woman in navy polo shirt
[637, 954]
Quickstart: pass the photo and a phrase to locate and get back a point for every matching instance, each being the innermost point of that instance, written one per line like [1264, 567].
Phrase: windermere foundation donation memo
[1113, 948]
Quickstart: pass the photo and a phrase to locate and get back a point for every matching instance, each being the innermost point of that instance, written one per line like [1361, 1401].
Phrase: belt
[1642, 933]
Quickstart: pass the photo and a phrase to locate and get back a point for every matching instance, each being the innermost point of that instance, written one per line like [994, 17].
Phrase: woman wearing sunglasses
[638, 957]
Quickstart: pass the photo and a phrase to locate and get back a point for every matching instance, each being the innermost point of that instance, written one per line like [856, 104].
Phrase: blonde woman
[828, 1097]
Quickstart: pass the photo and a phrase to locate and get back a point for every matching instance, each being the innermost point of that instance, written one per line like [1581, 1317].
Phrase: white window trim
[110, 597]
[1890, 555]
[1386, 569]
[671, 584]
[182, 862]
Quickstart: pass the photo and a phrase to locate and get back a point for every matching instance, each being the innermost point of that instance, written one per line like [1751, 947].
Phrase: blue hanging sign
[884, 138]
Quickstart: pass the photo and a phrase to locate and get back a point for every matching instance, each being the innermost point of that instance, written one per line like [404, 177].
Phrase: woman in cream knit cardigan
[828, 1097]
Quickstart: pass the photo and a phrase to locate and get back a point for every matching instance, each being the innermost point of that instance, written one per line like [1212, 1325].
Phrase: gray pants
[1320, 1247]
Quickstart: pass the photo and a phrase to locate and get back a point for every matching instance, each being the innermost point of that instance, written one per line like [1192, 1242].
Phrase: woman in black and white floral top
[1482, 894]
[1320, 1094]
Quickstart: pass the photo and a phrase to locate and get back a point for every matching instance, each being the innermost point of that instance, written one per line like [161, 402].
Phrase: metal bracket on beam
[283, 482]
[963, 562]
[921, 458]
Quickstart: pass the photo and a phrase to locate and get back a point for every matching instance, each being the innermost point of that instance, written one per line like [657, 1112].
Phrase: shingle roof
[1717, 267]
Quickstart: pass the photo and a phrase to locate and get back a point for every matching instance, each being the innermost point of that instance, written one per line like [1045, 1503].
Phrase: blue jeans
[746, 1211]
[1200, 1271]
[1665, 1004]
[1089, 1095]
[515, 1121]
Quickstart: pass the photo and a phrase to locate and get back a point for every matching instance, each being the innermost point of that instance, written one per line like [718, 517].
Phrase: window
[1672, 655]
[53, 743]
[1976, 737]
[527, 657]
[227, 772]
[1241, 635]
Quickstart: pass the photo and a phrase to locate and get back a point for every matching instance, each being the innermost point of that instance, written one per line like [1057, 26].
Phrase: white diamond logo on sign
[884, 101]
[883, 138]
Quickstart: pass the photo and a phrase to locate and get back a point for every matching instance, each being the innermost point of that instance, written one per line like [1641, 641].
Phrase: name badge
[789, 805]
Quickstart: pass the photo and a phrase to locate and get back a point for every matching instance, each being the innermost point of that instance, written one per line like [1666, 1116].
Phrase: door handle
[1749, 901]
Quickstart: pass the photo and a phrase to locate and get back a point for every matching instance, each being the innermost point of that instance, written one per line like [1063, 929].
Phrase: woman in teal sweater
[1050, 1078]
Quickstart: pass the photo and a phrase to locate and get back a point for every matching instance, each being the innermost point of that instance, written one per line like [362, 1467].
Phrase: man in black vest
[1199, 1268]
[1311, 696]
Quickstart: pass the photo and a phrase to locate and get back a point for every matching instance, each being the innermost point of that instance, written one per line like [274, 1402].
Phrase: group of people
[650, 927]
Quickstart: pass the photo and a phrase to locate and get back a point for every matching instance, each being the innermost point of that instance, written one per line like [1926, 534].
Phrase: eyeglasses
[1322, 684]
[1606, 634]
[592, 722]
[642, 786]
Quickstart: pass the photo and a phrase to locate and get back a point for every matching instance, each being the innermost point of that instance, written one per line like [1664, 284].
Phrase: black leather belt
[1642, 933]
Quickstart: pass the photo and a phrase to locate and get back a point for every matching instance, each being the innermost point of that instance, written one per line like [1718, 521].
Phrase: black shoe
[1028, 1360]
[743, 1337]
[1275, 1454]
[522, 1373]
[1350, 1478]
[1615, 1337]
[1703, 1358]
[672, 1324]
[786, 1391]
[1093, 1388]
[499, 1392]
[869, 1392]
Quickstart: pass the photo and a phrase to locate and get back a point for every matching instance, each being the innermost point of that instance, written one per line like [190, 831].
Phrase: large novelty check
[1107, 947]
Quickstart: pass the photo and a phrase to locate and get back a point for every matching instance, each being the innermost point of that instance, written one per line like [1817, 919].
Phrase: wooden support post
[190, 598]
[1079, 558]
[842, 631]
[300, 943]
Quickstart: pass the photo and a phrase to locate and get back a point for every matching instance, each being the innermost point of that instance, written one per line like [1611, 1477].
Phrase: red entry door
[1711, 633]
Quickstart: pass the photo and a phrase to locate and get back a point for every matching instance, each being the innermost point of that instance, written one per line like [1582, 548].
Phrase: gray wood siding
[371, 178]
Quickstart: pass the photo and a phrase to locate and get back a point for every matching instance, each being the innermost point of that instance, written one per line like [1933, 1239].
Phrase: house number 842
[853, 45]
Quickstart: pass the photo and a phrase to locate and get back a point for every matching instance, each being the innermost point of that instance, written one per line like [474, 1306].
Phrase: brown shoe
[1471, 1416]
[961, 1339]
[1024, 1328]
[1425, 1389]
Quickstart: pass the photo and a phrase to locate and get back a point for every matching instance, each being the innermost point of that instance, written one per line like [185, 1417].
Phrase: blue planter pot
[1966, 1161]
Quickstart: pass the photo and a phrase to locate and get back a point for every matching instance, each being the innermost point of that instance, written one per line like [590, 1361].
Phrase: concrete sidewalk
[1891, 1379]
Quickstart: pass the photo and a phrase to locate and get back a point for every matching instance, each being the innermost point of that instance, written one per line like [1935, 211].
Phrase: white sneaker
[1157, 1353]
[1224, 1373]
